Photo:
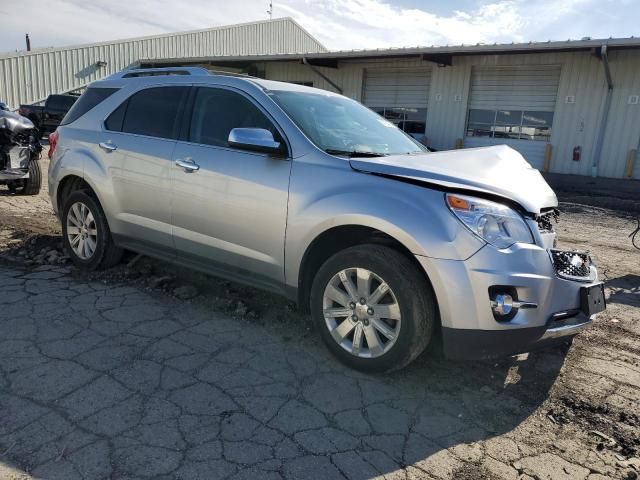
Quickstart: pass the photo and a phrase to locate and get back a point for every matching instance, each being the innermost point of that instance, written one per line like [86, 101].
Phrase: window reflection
[513, 124]
[408, 119]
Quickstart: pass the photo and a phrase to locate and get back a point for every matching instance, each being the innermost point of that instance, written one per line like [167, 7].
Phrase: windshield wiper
[353, 153]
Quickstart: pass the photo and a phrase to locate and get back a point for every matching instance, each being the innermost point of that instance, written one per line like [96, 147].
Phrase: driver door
[229, 209]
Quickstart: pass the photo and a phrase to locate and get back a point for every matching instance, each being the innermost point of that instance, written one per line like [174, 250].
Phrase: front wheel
[33, 183]
[373, 307]
[86, 233]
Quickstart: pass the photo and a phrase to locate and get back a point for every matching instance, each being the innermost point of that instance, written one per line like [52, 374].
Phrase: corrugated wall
[27, 77]
[623, 128]
[576, 120]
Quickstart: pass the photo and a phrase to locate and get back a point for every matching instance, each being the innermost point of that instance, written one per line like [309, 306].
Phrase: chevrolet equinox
[312, 195]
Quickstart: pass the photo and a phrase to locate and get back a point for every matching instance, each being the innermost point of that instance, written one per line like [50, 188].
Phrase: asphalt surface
[107, 381]
[111, 377]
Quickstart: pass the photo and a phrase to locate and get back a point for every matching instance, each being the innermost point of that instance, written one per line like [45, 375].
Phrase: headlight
[495, 223]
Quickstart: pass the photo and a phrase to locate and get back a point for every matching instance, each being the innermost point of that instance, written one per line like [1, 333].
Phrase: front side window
[513, 124]
[152, 112]
[342, 126]
[217, 111]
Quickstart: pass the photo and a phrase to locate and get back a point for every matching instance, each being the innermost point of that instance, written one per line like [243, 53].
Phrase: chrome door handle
[107, 146]
[188, 165]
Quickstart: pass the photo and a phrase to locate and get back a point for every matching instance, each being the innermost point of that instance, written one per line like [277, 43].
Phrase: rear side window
[89, 99]
[216, 112]
[153, 112]
[115, 120]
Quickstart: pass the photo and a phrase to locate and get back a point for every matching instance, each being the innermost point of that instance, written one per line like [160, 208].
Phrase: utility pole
[270, 11]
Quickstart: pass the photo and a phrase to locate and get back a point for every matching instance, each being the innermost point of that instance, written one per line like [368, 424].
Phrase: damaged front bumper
[549, 299]
[11, 175]
[18, 164]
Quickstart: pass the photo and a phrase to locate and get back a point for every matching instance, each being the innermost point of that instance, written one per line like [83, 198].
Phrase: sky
[338, 24]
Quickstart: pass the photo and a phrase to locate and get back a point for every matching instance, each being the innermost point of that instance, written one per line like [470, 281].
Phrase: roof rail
[154, 72]
[230, 74]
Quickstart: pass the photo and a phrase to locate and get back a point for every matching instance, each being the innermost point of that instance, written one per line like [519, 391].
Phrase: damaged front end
[20, 151]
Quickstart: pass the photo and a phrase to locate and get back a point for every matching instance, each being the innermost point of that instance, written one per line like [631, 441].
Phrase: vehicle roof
[212, 78]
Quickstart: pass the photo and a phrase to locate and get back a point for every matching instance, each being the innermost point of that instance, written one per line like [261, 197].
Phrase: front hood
[498, 170]
[13, 122]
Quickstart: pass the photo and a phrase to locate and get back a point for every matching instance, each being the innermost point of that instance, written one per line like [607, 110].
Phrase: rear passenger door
[229, 216]
[139, 146]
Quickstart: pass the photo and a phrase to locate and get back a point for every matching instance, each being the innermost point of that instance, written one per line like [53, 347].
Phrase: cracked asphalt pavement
[104, 381]
[109, 379]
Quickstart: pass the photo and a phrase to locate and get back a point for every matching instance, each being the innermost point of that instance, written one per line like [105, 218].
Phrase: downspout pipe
[322, 75]
[605, 112]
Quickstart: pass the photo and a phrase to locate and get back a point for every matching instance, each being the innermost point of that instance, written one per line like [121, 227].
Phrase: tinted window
[61, 102]
[114, 122]
[216, 112]
[89, 99]
[153, 112]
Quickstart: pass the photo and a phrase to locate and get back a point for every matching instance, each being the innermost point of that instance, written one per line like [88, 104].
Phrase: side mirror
[255, 140]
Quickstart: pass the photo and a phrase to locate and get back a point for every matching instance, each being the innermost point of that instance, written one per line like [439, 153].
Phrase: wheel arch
[335, 239]
[69, 184]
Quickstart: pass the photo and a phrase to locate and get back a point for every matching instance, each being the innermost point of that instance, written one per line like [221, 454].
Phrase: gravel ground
[149, 371]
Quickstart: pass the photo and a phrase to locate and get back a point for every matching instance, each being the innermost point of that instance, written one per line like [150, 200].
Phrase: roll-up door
[515, 106]
[400, 95]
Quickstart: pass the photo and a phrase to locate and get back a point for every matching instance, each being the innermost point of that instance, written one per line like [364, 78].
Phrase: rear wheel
[86, 233]
[374, 308]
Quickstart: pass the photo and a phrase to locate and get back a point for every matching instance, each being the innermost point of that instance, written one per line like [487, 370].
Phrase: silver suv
[314, 196]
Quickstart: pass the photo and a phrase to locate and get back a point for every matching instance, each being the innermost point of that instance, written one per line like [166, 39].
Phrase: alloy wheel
[82, 232]
[361, 312]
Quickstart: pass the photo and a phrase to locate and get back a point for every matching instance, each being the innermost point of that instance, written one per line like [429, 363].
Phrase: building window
[304, 84]
[514, 124]
[407, 119]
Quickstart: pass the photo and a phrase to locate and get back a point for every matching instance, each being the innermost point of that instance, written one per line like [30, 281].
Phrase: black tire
[106, 253]
[34, 182]
[417, 303]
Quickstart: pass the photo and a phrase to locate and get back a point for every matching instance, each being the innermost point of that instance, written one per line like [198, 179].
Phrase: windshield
[342, 126]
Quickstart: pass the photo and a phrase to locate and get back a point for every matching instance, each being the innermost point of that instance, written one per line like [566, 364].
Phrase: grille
[547, 220]
[571, 265]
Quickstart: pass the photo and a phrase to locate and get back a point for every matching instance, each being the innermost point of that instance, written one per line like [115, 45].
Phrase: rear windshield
[89, 99]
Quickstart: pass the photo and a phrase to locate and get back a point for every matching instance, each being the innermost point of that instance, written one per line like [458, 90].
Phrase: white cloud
[339, 24]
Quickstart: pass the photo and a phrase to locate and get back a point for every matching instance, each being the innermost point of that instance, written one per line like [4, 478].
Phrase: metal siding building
[543, 99]
[29, 77]
[563, 82]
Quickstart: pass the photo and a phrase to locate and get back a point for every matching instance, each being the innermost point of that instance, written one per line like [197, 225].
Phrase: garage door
[400, 95]
[513, 106]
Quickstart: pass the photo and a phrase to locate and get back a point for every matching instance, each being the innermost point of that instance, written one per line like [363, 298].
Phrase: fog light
[502, 304]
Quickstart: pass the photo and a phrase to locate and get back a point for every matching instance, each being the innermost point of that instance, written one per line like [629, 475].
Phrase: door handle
[107, 146]
[188, 164]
